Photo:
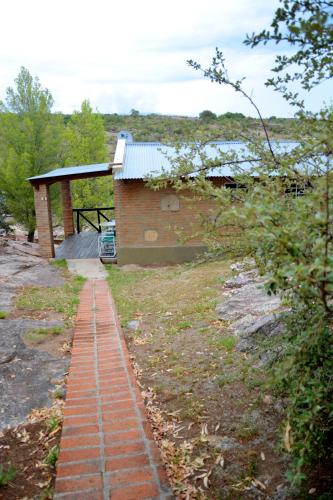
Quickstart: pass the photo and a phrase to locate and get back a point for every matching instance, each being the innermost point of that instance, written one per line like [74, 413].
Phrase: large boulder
[249, 310]
[25, 374]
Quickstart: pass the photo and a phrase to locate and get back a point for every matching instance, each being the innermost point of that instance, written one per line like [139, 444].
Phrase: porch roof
[68, 173]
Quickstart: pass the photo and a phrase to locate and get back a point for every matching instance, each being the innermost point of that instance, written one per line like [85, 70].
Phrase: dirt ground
[27, 452]
[217, 422]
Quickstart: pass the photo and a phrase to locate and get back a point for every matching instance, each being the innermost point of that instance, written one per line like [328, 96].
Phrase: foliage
[39, 335]
[52, 456]
[33, 140]
[85, 143]
[3, 314]
[283, 204]
[154, 128]
[305, 374]
[3, 211]
[30, 138]
[60, 263]
[53, 422]
[207, 115]
[6, 475]
[307, 26]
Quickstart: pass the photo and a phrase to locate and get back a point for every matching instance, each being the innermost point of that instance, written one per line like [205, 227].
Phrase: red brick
[117, 396]
[113, 464]
[73, 394]
[81, 430]
[127, 435]
[123, 449]
[163, 477]
[78, 455]
[82, 386]
[110, 415]
[148, 430]
[80, 401]
[68, 470]
[79, 441]
[80, 420]
[117, 405]
[120, 425]
[81, 410]
[79, 484]
[139, 492]
[127, 477]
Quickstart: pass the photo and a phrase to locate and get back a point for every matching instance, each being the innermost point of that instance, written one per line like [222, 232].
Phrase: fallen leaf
[287, 437]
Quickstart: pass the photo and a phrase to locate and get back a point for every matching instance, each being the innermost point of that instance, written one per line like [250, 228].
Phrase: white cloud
[124, 55]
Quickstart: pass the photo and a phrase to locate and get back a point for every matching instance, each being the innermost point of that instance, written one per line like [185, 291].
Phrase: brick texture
[138, 209]
[66, 199]
[44, 221]
[107, 449]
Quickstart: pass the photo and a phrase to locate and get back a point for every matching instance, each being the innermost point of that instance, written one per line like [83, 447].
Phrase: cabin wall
[151, 224]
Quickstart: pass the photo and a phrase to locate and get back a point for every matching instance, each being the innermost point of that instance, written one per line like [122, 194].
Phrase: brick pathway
[107, 448]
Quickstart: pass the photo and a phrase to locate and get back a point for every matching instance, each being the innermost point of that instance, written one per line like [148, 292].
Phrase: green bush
[6, 475]
[305, 377]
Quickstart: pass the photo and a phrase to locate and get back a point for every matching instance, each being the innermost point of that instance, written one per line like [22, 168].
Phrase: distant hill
[161, 128]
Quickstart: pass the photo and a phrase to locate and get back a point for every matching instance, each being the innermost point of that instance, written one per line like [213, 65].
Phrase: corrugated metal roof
[68, 171]
[151, 158]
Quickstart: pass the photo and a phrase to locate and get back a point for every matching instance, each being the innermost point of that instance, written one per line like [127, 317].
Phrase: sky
[124, 55]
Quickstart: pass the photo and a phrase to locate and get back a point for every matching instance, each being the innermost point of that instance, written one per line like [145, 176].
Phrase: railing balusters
[79, 213]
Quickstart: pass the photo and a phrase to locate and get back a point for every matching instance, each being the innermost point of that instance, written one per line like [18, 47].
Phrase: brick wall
[66, 199]
[44, 221]
[138, 209]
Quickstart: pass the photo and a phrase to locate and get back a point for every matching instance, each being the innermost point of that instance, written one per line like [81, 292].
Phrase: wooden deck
[79, 246]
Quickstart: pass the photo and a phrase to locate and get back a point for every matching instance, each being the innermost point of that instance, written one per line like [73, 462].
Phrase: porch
[80, 244]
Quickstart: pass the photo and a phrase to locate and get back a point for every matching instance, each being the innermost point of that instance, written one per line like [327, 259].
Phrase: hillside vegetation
[162, 128]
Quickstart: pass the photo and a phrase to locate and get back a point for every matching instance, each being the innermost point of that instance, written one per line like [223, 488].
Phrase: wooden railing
[78, 212]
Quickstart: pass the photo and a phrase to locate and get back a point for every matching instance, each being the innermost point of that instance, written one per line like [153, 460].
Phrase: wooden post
[66, 199]
[44, 221]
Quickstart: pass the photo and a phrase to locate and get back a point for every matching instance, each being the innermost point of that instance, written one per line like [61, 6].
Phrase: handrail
[100, 214]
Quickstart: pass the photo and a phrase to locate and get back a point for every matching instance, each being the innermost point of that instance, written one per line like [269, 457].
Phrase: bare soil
[213, 413]
[26, 448]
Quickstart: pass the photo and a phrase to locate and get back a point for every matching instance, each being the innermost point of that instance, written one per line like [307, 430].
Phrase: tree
[207, 116]
[85, 143]
[305, 25]
[285, 213]
[30, 138]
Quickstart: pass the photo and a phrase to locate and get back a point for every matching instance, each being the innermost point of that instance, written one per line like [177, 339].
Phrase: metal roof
[151, 158]
[97, 168]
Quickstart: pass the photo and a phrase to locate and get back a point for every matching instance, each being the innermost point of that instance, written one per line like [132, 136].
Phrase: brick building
[152, 226]
[155, 226]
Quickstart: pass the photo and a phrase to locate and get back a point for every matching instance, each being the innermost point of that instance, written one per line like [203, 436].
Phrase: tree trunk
[31, 234]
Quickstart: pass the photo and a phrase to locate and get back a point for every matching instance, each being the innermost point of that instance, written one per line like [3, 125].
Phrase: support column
[44, 221]
[66, 198]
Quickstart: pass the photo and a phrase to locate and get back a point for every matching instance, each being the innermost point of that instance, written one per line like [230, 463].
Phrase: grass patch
[52, 456]
[62, 299]
[59, 263]
[183, 293]
[6, 475]
[123, 285]
[38, 335]
[53, 422]
[3, 314]
[247, 429]
[227, 379]
[225, 342]
[183, 325]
